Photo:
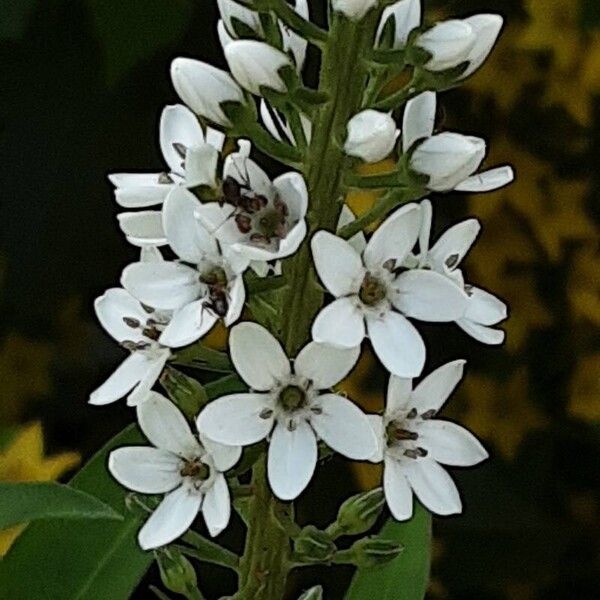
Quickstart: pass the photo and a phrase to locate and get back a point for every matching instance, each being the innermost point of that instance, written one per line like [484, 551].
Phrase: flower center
[399, 436]
[215, 277]
[372, 291]
[292, 398]
[195, 469]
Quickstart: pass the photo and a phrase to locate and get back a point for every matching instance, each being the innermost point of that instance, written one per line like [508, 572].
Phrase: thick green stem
[265, 564]
[343, 79]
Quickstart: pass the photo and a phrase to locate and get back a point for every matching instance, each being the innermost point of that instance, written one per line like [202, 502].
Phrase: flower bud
[359, 513]
[354, 10]
[371, 135]
[176, 572]
[314, 545]
[204, 88]
[187, 393]
[315, 593]
[256, 64]
[406, 15]
[487, 29]
[236, 16]
[448, 43]
[447, 159]
[374, 552]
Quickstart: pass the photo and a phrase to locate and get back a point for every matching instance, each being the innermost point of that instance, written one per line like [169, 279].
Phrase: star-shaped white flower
[413, 444]
[189, 471]
[190, 154]
[199, 295]
[291, 404]
[375, 295]
[261, 219]
[448, 159]
[137, 328]
[484, 310]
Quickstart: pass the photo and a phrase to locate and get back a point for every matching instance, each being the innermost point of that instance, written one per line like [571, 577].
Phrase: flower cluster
[222, 221]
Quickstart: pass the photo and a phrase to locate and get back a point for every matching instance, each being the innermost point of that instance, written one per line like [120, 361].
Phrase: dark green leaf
[188, 393]
[201, 357]
[406, 577]
[24, 502]
[80, 560]
[134, 30]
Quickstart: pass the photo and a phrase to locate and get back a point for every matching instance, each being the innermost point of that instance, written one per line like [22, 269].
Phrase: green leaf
[201, 357]
[78, 560]
[188, 393]
[406, 577]
[133, 31]
[24, 502]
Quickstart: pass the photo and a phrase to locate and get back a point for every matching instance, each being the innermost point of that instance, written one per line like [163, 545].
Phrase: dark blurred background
[83, 84]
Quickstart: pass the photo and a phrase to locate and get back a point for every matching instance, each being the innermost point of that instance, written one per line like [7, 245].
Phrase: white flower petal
[258, 357]
[150, 254]
[178, 125]
[429, 296]
[156, 364]
[450, 444]
[164, 285]
[248, 174]
[398, 492]
[395, 237]
[357, 241]
[325, 365]
[172, 518]
[376, 423]
[407, 15]
[433, 486]
[216, 506]
[452, 246]
[419, 119]
[485, 308]
[224, 457]
[288, 246]
[188, 324]
[292, 459]
[165, 426]
[371, 135]
[483, 334]
[293, 42]
[291, 188]
[449, 43]
[340, 324]
[487, 181]
[425, 231]
[353, 9]
[142, 196]
[237, 298]
[235, 420]
[143, 228]
[145, 470]
[186, 235]
[338, 265]
[397, 344]
[201, 166]
[128, 374]
[487, 28]
[435, 389]
[113, 307]
[344, 427]
[398, 394]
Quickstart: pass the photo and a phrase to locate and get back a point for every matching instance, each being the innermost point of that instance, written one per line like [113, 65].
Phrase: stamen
[317, 410]
[131, 322]
[292, 426]
[404, 434]
[266, 413]
[180, 149]
[452, 261]
[429, 414]
[372, 291]
[412, 414]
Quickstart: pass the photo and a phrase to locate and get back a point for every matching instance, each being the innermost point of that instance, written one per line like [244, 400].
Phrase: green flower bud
[187, 393]
[359, 513]
[373, 552]
[315, 593]
[176, 571]
[313, 545]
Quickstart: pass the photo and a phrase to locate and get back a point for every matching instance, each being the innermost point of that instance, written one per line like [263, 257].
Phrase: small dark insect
[218, 301]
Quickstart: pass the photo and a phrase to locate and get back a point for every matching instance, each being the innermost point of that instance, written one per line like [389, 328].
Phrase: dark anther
[131, 322]
[390, 265]
[266, 413]
[147, 308]
[244, 223]
[404, 434]
[412, 414]
[164, 178]
[291, 426]
[452, 261]
[317, 410]
[429, 414]
[180, 149]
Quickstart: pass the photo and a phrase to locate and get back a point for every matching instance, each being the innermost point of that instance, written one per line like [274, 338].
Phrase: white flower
[412, 444]
[205, 88]
[261, 219]
[192, 159]
[143, 228]
[448, 159]
[199, 295]
[231, 10]
[353, 9]
[287, 404]
[406, 15]
[483, 309]
[189, 471]
[256, 64]
[371, 135]
[137, 328]
[487, 28]
[278, 125]
[449, 44]
[292, 42]
[374, 296]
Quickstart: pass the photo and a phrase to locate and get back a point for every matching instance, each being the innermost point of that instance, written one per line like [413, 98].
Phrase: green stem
[373, 182]
[343, 79]
[207, 551]
[265, 564]
[264, 141]
[294, 21]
